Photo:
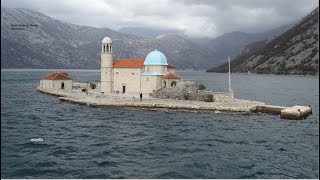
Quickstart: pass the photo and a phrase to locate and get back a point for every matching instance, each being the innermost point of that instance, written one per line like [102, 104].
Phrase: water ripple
[85, 142]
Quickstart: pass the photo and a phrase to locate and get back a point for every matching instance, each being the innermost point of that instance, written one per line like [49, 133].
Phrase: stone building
[58, 80]
[132, 76]
[170, 79]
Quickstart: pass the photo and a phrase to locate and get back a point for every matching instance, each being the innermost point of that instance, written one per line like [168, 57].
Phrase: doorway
[123, 89]
[62, 85]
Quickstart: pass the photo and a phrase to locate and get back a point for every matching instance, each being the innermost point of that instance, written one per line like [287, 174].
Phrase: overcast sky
[195, 17]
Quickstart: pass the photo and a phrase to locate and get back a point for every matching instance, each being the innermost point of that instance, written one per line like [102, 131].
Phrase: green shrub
[201, 87]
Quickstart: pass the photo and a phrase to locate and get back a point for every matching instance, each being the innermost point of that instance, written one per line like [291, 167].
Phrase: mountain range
[30, 39]
[294, 52]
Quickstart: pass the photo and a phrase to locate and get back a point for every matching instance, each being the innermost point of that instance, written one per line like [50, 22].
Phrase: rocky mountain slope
[228, 44]
[231, 44]
[294, 52]
[50, 43]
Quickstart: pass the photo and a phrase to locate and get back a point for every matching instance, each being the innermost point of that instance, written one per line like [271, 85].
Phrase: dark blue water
[85, 142]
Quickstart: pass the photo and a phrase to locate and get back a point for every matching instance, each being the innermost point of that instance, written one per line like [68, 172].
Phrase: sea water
[42, 137]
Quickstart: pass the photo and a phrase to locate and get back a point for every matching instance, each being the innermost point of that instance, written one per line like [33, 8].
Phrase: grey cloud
[194, 17]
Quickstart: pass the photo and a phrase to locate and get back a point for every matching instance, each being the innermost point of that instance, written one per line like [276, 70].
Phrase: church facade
[131, 76]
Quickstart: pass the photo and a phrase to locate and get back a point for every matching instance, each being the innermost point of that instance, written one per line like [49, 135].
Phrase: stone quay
[93, 98]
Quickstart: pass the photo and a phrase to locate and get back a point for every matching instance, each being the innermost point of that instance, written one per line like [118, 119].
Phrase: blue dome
[106, 40]
[155, 58]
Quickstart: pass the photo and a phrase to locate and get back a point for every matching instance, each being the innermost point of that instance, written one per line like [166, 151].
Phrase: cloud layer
[200, 18]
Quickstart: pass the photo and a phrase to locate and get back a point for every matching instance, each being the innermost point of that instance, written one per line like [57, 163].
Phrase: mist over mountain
[294, 52]
[148, 32]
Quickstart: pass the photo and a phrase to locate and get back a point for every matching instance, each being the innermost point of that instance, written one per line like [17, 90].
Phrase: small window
[117, 72]
[132, 73]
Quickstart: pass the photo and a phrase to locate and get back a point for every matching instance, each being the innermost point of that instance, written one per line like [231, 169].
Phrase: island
[152, 83]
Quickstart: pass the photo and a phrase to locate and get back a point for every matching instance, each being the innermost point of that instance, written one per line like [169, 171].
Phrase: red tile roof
[171, 66]
[57, 76]
[128, 63]
[170, 76]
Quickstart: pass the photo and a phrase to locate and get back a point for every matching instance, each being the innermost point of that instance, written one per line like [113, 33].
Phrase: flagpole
[229, 75]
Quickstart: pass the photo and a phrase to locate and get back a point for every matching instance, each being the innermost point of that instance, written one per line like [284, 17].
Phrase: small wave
[170, 175]
[35, 145]
[260, 142]
[46, 164]
[256, 175]
[282, 149]
[184, 130]
[36, 172]
[63, 151]
[108, 164]
[97, 176]
[247, 166]
[106, 152]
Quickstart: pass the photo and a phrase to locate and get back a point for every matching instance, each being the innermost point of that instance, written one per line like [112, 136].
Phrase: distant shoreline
[187, 70]
[50, 69]
[178, 70]
[308, 75]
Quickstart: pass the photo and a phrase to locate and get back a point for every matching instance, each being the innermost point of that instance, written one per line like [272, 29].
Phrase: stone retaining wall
[190, 92]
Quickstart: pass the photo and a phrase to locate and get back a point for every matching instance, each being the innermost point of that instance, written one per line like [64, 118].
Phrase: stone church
[131, 76]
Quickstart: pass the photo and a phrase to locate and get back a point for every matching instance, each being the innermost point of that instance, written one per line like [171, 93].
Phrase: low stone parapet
[167, 93]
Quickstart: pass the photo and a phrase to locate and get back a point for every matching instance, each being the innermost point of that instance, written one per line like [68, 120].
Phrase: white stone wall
[135, 83]
[153, 68]
[150, 83]
[222, 97]
[56, 84]
[129, 77]
[106, 72]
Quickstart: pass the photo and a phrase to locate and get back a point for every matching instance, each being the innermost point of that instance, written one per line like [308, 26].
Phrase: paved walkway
[76, 96]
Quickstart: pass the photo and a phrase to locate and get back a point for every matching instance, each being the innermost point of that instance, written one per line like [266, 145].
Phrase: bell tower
[106, 65]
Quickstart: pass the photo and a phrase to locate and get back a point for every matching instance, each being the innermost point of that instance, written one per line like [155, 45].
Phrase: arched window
[62, 85]
[173, 83]
[104, 48]
[165, 83]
